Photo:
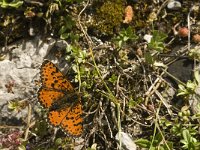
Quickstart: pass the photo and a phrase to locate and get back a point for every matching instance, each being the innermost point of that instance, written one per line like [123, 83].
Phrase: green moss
[109, 16]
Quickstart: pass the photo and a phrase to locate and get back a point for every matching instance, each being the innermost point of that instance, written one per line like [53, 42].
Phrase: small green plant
[184, 114]
[195, 53]
[155, 46]
[113, 79]
[134, 102]
[188, 141]
[156, 145]
[17, 105]
[67, 25]
[76, 53]
[157, 41]
[124, 36]
[190, 87]
[14, 3]
[79, 57]
[184, 131]
[180, 131]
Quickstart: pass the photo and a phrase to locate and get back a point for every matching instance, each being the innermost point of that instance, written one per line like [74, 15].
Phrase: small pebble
[147, 38]
[196, 38]
[183, 32]
[128, 14]
[127, 141]
[174, 5]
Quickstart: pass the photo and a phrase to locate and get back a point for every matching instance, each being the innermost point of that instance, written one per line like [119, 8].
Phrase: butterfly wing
[69, 119]
[53, 94]
[48, 96]
[52, 78]
[53, 84]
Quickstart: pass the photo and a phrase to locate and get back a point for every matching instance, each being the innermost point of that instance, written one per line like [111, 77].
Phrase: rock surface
[20, 69]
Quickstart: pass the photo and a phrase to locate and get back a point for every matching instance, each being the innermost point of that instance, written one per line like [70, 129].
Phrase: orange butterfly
[58, 96]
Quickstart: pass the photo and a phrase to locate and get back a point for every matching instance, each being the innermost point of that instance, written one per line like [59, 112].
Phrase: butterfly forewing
[52, 78]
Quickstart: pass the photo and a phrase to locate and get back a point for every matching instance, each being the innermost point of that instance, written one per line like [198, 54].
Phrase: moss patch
[109, 17]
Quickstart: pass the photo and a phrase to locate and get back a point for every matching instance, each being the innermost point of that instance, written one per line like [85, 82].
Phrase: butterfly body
[58, 96]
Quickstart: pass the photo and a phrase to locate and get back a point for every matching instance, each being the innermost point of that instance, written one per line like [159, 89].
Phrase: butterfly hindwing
[69, 119]
[48, 96]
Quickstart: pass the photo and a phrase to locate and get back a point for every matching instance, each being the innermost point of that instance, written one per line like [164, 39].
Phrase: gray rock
[19, 69]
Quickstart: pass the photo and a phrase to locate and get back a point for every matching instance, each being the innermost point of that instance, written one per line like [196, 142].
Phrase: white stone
[148, 38]
[174, 5]
[127, 141]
